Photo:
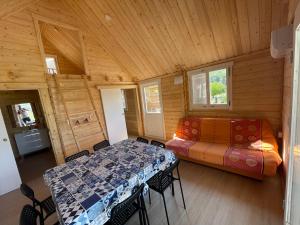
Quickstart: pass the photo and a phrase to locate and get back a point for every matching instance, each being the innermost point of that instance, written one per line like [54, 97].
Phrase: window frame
[143, 86]
[56, 64]
[208, 105]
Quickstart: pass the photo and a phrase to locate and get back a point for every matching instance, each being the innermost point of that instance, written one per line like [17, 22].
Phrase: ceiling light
[107, 17]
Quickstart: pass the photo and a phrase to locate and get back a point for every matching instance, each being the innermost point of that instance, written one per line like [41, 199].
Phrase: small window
[152, 101]
[124, 102]
[210, 87]
[22, 115]
[51, 63]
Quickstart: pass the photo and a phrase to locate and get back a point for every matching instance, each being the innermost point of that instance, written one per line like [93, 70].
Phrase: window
[210, 87]
[51, 62]
[124, 102]
[22, 115]
[152, 101]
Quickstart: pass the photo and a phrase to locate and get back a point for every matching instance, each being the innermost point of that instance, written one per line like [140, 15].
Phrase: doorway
[153, 109]
[121, 111]
[26, 128]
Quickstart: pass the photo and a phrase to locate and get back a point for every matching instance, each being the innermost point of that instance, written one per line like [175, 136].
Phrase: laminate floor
[213, 197]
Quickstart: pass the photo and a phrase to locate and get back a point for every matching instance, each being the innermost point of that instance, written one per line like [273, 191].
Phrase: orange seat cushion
[208, 152]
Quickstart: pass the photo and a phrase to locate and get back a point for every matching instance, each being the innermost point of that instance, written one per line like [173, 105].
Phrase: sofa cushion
[244, 132]
[189, 129]
[222, 131]
[180, 146]
[208, 152]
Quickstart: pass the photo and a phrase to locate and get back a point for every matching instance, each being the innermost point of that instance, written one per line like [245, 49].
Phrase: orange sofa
[244, 146]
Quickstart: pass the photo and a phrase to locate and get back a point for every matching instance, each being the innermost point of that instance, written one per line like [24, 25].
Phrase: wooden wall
[8, 98]
[21, 65]
[65, 66]
[131, 112]
[257, 82]
[173, 104]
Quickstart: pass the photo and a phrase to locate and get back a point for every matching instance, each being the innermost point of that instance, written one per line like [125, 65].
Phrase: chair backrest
[164, 176]
[77, 155]
[144, 140]
[119, 213]
[101, 144]
[30, 215]
[157, 143]
[29, 193]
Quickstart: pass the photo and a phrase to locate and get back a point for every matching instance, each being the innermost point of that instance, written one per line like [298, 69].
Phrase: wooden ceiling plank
[154, 19]
[89, 25]
[119, 33]
[140, 35]
[243, 21]
[142, 15]
[11, 7]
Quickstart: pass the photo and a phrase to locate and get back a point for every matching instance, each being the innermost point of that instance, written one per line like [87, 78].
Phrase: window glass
[124, 103]
[199, 89]
[152, 101]
[218, 86]
[210, 87]
[51, 65]
[22, 115]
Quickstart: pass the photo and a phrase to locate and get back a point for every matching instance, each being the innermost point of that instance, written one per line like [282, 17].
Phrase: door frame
[138, 108]
[293, 120]
[152, 81]
[44, 96]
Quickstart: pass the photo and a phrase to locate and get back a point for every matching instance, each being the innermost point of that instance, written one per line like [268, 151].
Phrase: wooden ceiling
[155, 37]
[65, 41]
[148, 38]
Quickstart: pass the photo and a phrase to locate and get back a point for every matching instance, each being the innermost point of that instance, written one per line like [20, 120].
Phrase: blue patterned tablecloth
[86, 189]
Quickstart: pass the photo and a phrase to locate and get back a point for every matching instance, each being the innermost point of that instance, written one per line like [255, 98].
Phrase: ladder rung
[78, 113]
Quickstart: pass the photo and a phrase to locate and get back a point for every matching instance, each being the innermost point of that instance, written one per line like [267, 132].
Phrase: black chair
[144, 140]
[30, 216]
[162, 180]
[77, 155]
[101, 144]
[157, 143]
[46, 205]
[123, 211]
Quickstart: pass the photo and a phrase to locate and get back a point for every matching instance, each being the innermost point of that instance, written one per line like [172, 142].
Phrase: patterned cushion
[180, 146]
[245, 132]
[251, 161]
[189, 128]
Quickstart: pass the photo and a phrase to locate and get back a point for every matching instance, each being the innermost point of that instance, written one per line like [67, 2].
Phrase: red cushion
[189, 128]
[180, 146]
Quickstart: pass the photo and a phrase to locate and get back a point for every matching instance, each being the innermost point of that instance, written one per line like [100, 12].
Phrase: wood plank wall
[65, 65]
[131, 112]
[173, 104]
[21, 63]
[256, 89]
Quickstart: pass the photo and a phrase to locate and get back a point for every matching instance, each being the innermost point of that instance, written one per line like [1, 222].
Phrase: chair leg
[181, 188]
[141, 217]
[145, 211]
[149, 196]
[165, 208]
[173, 193]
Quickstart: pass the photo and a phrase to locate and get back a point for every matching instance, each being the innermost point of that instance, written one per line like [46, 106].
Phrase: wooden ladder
[69, 114]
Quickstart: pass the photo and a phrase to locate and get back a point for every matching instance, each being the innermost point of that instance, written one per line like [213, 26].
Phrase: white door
[114, 115]
[152, 109]
[9, 174]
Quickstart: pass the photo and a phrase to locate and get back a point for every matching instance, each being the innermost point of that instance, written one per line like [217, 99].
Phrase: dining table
[86, 189]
